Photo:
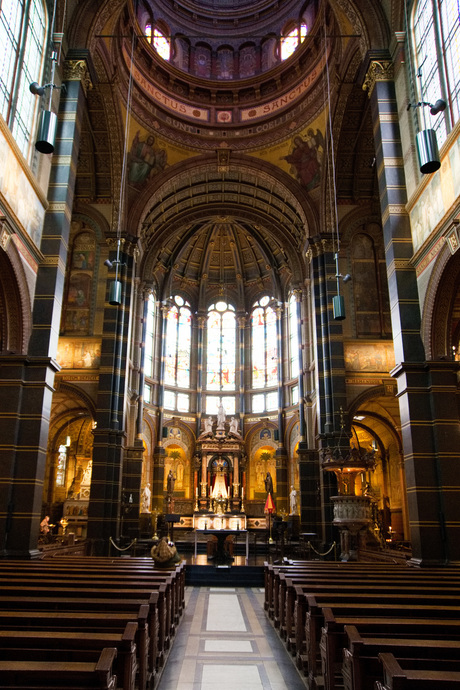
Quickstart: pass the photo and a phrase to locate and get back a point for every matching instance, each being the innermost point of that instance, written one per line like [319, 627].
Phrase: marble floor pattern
[226, 642]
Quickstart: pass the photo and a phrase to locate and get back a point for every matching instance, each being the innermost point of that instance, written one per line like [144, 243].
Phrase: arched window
[264, 344]
[177, 353]
[292, 40]
[294, 363]
[159, 41]
[22, 43]
[436, 36]
[149, 337]
[221, 347]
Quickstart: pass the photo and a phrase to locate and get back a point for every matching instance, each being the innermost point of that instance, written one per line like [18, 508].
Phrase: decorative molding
[5, 233]
[452, 236]
[378, 71]
[77, 70]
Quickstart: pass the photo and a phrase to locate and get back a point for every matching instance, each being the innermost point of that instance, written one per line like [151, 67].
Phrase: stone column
[104, 508]
[331, 371]
[201, 321]
[427, 391]
[28, 382]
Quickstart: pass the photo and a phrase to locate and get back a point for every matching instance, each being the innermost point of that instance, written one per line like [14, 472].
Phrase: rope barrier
[326, 553]
[134, 541]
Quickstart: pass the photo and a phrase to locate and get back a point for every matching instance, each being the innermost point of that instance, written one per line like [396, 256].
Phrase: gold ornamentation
[77, 70]
[378, 71]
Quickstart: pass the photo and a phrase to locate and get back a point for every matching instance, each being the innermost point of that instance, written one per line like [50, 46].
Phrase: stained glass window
[213, 402]
[221, 347]
[159, 41]
[264, 344]
[149, 337]
[61, 466]
[178, 343]
[293, 338]
[293, 39]
[22, 47]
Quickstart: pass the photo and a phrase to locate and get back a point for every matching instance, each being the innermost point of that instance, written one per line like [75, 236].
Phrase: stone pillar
[104, 508]
[331, 368]
[28, 382]
[427, 391]
[310, 513]
[201, 321]
[282, 479]
[132, 472]
[158, 494]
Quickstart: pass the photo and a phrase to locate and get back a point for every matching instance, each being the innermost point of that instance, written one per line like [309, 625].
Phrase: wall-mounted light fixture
[48, 120]
[426, 141]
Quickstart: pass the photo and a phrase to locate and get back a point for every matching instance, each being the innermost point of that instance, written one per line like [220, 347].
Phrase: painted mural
[437, 198]
[300, 156]
[79, 354]
[19, 193]
[145, 159]
[76, 314]
[305, 158]
[361, 356]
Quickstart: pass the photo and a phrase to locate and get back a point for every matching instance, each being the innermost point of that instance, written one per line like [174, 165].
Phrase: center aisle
[225, 642]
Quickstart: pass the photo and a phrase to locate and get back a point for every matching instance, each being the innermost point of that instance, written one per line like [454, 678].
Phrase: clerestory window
[22, 43]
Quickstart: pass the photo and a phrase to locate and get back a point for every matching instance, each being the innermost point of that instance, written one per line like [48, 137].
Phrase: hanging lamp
[426, 140]
[338, 301]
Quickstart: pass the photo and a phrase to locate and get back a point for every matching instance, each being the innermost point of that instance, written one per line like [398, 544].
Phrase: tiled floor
[225, 642]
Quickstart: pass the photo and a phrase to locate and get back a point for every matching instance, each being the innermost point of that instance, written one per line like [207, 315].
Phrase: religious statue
[171, 480]
[146, 495]
[207, 425]
[293, 501]
[268, 483]
[221, 417]
[233, 426]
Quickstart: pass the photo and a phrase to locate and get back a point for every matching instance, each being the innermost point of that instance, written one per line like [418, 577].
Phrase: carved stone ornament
[77, 70]
[378, 71]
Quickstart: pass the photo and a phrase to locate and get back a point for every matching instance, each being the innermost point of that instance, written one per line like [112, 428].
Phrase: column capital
[77, 70]
[379, 70]
[319, 246]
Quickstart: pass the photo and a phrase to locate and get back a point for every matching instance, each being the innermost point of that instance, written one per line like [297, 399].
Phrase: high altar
[220, 477]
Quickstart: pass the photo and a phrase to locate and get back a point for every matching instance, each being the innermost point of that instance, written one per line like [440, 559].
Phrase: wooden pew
[117, 628]
[318, 615]
[139, 569]
[58, 674]
[333, 637]
[366, 600]
[52, 645]
[285, 594]
[356, 591]
[396, 678]
[362, 668]
[159, 612]
[105, 583]
[96, 613]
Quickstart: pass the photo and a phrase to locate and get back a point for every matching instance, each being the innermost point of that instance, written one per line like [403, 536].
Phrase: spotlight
[346, 278]
[438, 107]
[108, 263]
[36, 89]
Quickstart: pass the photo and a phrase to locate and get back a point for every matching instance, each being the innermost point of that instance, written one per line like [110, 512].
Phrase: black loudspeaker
[276, 435]
[164, 432]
